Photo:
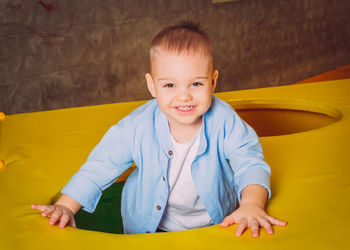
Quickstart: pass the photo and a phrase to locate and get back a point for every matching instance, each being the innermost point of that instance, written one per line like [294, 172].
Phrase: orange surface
[336, 74]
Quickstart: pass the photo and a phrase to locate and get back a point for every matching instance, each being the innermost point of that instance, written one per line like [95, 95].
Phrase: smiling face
[183, 85]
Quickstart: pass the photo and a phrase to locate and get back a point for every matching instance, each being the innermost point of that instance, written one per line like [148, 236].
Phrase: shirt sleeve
[107, 161]
[244, 152]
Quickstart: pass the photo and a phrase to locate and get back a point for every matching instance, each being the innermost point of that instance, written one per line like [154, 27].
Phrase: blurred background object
[60, 53]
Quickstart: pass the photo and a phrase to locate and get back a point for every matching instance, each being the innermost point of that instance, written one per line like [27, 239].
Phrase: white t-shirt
[184, 209]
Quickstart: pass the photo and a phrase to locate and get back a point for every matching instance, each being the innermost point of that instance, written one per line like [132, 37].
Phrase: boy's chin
[188, 122]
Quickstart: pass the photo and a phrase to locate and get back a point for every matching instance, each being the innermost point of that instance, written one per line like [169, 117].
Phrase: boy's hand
[254, 216]
[58, 214]
[62, 213]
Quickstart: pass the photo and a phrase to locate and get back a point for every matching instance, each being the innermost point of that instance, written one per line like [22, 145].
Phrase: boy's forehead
[160, 56]
[162, 52]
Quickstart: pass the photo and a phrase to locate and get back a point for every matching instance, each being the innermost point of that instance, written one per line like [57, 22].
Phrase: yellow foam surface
[310, 172]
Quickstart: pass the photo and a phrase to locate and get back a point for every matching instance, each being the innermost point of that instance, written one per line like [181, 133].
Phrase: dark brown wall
[62, 53]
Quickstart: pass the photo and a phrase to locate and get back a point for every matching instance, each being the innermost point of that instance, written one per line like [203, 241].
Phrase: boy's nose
[184, 96]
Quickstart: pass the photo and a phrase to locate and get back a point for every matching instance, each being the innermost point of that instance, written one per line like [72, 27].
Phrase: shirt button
[170, 152]
[158, 207]
[163, 178]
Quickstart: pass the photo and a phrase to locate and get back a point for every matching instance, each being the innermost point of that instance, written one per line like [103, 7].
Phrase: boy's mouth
[185, 108]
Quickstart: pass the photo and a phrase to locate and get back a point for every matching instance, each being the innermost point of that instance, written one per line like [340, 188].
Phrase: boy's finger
[64, 221]
[266, 224]
[276, 221]
[254, 226]
[242, 225]
[72, 223]
[55, 216]
[229, 220]
[48, 210]
[38, 207]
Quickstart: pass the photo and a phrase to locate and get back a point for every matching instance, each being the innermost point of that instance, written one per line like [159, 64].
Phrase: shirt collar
[203, 144]
[163, 132]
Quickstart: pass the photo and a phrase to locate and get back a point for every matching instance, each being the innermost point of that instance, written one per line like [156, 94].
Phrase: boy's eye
[197, 84]
[169, 85]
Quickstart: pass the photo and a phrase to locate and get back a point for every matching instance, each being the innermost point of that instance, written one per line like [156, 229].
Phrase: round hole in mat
[282, 117]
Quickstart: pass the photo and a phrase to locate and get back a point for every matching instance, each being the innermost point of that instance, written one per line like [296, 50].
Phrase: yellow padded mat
[309, 158]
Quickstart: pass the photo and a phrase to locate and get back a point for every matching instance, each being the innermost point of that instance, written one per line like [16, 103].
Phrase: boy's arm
[251, 212]
[106, 162]
[62, 213]
[252, 177]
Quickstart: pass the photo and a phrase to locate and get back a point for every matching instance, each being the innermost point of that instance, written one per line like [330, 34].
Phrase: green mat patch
[106, 217]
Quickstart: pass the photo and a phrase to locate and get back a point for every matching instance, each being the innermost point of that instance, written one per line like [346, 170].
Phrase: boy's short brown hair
[184, 37]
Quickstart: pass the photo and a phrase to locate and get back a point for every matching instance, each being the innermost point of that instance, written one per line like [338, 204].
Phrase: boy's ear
[150, 84]
[214, 80]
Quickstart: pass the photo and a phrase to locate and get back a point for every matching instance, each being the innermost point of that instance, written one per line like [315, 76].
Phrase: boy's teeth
[185, 108]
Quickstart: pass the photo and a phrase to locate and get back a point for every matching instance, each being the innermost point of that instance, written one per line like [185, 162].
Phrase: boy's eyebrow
[167, 79]
[163, 79]
[201, 77]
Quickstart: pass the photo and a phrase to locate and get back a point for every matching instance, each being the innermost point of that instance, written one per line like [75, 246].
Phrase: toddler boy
[197, 161]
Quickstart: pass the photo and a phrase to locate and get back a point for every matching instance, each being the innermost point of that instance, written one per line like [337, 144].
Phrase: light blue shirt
[229, 158]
